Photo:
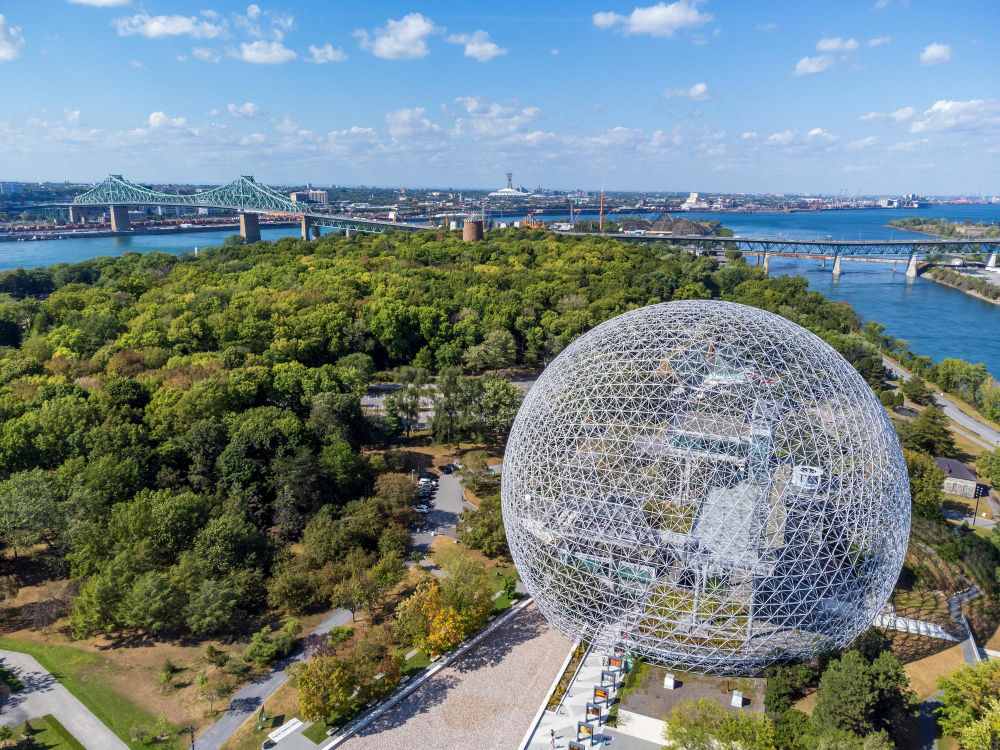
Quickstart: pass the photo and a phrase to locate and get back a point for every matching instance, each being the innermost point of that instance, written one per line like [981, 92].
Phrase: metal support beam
[992, 262]
[250, 227]
[911, 267]
[823, 264]
[836, 265]
[119, 219]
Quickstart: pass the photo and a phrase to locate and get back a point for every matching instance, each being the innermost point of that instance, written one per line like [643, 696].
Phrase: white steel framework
[709, 485]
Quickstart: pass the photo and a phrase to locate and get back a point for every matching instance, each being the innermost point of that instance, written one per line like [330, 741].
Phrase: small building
[959, 479]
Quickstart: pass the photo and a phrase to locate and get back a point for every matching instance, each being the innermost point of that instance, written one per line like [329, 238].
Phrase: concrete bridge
[837, 250]
[244, 195]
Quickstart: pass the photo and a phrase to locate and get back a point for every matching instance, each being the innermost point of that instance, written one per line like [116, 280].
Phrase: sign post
[601, 694]
[608, 677]
[583, 729]
[594, 709]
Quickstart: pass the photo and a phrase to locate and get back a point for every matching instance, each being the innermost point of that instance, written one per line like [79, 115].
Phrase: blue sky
[879, 96]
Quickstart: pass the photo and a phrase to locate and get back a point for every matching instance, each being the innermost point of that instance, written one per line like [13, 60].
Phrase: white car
[423, 509]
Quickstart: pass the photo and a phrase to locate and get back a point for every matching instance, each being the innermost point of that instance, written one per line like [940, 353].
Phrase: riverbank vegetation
[966, 282]
[945, 228]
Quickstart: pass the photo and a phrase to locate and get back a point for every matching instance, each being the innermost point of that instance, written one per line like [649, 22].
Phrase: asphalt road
[983, 431]
[43, 694]
[445, 506]
[248, 699]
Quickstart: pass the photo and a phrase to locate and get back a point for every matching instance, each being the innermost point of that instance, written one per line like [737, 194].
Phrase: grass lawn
[316, 732]
[47, 734]
[282, 706]
[80, 672]
[923, 673]
[12, 682]
[415, 663]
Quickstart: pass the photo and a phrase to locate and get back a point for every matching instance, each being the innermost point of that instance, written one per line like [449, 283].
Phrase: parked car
[445, 469]
[423, 509]
[427, 475]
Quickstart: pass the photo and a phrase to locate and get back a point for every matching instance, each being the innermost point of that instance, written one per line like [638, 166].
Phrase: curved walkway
[42, 695]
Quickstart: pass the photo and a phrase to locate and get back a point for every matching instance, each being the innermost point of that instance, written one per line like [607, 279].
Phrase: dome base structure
[709, 485]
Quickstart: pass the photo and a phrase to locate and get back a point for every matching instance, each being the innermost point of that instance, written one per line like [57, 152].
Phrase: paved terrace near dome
[486, 700]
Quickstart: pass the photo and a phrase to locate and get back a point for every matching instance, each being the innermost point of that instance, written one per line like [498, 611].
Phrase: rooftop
[953, 468]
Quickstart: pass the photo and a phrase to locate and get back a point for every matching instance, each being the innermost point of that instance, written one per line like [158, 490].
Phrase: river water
[937, 320]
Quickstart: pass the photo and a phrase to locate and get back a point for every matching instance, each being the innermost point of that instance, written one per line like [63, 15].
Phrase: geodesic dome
[708, 485]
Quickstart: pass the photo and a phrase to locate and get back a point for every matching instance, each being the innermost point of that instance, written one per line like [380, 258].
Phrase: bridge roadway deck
[778, 245]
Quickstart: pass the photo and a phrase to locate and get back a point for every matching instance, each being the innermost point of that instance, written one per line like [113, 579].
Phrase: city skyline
[881, 98]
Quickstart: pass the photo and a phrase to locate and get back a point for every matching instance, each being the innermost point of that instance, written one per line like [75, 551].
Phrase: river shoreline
[971, 292]
[97, 234]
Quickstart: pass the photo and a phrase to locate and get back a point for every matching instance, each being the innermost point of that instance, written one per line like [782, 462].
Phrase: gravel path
[43, 694]
[485, 700]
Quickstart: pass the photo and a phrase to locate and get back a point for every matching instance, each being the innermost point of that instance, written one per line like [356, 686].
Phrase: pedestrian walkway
[916, 627]
[557, 729]
[42, 695]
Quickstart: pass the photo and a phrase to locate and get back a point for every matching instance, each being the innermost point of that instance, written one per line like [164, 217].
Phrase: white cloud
[898, 117]
[934, 54]
[253, 11]
[405, 123]
[246, 110]
[212, 112]
[553, 51]
[862, 143]
[490, 120]
[405, 39]
[821, 135]
[809, 65]
[836, 44]
[286, 125]
[880, 4]
[976, 114]
[101, 3]
[660, 20]
[879, 41]
[766, 26]
[11, 41]
[206, 55]
[160, 120]
[750, 135]
[253, 138]
[72, 116]
[783, 138]
[478, 45]
[210, 14]
[698, 93]
[902, 115]
[136, 64]
[262, 53]
[156, 27]
[326, 54]
[908, 145]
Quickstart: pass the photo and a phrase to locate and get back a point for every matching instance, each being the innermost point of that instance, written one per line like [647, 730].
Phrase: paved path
[483, 701]
[927, 721]
[42, 695]
[248, 699]
[984, 431]
[969, 649]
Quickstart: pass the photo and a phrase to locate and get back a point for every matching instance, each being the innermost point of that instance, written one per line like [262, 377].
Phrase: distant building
[318, 196]
[959, 478]
[300, 196]
[510, 192]
[11, 188]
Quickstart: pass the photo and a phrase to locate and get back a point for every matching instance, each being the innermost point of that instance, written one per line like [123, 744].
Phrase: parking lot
[446, 503]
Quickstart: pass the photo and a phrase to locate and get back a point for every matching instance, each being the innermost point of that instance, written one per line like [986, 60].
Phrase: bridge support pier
[767, 264]
[77, 215]
[836, 265]
[250, 227]
[823, 264]
[350, 232]
[119, 219]
[315, 231]
[911, 267]
[992, 262]
[307, 225]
